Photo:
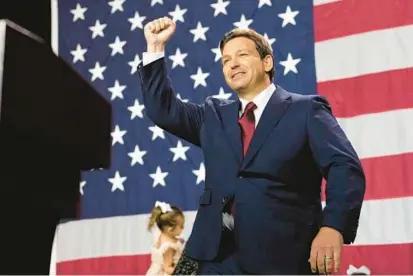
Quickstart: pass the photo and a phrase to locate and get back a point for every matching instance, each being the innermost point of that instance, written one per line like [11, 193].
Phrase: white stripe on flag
[380, 134]
[386, 221]
[364, 53]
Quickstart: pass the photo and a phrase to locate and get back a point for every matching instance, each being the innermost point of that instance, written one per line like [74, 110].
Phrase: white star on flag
[117, 135]
[153, 2]
[136, 21]
[269, 40]
[217, 53]
[200, 173]
[243, 23]
[222, 95]
[290, 64]
[134, 64]
[220, 7]
[179, 151]
[158, 177]
[157, 132]
[117, 182]
[199, 32]
[78, 12]
[136, 110]
[199, 78]
[178, 58]
[97, 72]
[137, 156]
[288, 16]
[264, 2]
[78, 54]
[117, 46]
[117, 5]
[178, 14]
[116, 90]
[97, 29]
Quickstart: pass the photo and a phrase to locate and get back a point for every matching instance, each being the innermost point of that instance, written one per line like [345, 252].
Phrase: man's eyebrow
[237, 51]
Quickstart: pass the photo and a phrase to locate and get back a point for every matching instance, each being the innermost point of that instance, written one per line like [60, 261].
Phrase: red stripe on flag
[369, 93]
[390, 259]
[115, 265]
[387, 177]
[349, 17]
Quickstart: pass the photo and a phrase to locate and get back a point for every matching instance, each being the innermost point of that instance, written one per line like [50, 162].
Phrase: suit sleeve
[340, 166]
[183, 119]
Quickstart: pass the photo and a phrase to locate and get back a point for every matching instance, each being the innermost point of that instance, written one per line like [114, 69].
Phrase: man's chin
[238, 88]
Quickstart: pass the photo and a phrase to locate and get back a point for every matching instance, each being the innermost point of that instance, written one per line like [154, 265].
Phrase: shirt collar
[261, 99]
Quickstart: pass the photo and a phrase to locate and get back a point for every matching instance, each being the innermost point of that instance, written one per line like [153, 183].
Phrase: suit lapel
[274, 110]
[229, 116]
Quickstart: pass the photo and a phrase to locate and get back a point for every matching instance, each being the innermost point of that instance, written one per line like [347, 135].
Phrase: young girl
[167, 223]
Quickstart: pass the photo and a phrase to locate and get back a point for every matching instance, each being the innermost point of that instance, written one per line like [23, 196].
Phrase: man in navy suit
[265, 155]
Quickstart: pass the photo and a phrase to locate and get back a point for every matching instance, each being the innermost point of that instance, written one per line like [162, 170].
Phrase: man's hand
[326, 250]
[158, 32]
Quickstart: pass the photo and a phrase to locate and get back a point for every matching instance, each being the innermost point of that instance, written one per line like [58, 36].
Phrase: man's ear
[268, 63]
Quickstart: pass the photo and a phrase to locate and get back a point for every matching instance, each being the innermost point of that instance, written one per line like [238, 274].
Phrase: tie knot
[250, 107]
[248, 112]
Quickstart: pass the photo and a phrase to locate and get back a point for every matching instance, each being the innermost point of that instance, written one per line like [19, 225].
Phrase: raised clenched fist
[158, 32]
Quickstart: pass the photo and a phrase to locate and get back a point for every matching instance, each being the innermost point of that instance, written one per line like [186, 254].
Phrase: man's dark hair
[261, 44]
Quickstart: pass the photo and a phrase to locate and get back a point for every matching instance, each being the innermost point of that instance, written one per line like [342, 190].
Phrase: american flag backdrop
[358, 53]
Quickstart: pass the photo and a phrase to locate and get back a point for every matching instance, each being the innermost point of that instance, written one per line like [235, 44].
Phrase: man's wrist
[155, 48]
[326, 228]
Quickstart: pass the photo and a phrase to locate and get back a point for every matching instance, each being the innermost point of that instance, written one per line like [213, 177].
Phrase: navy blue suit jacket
[276, 186]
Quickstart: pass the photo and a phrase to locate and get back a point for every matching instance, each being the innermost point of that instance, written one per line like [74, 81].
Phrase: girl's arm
[168, 261]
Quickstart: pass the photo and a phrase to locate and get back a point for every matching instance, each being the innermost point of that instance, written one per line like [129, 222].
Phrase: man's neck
[250, 94]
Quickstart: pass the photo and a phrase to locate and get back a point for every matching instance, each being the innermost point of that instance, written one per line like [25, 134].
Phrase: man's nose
[234, 64]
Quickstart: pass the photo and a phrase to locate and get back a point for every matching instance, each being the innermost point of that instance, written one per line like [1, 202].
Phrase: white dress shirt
[260, 100]
[151, 57]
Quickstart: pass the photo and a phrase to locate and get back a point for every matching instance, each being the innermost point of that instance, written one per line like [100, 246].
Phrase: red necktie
[247, 124]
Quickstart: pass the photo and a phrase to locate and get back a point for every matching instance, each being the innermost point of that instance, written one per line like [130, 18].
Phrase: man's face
[243, 68]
